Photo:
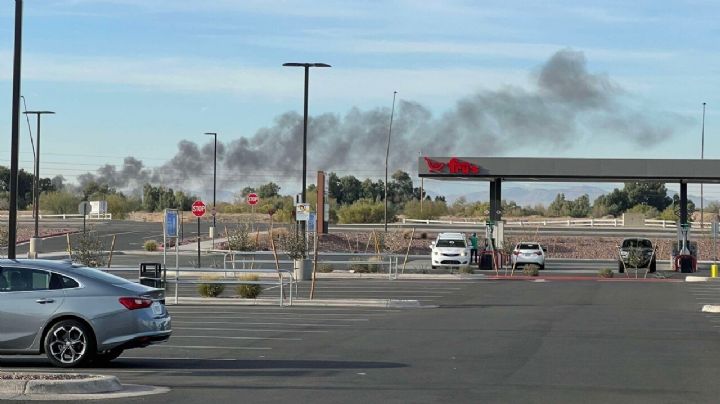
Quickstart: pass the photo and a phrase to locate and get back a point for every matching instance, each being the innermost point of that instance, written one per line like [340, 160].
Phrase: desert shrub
[423, 235]
[466, 269]
[239, 238]
[89, 250]
[292, 243]
[605, 273]
[364, 211]
[324, 268]
[251, 290]
[150, 245]
[531, 270]
[210, 289]
[365, 268]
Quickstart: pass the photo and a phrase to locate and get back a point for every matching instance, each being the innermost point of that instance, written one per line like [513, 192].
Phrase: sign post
[170, 231]
[198, 209]
[84, 209]
[252, 200]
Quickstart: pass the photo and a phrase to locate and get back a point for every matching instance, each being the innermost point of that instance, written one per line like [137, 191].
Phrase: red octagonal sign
[252, 199]
[198, 208]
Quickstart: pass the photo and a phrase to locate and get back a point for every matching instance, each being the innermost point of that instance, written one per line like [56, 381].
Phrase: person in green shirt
[473, 249]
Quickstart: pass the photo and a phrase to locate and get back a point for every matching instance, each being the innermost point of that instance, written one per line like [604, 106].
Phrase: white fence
[566, 222]
[92, 216]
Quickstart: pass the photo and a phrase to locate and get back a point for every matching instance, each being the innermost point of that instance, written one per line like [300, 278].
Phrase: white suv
[450, 250]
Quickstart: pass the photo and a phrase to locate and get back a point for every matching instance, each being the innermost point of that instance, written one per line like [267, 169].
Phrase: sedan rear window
[528, 246]
[100, 275]
[637, 243]
[450, 243]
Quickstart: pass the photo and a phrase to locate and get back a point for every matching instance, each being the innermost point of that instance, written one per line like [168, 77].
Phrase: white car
[450, 250]
[528, 253]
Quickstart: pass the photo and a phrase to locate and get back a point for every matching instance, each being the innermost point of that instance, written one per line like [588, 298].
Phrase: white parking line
[288, 318]
[208, 347]
[266, 323]
[173, 313]
[242, 338]
[245, 329]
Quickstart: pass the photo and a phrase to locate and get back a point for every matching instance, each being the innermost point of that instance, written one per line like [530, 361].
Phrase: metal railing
[284, 278]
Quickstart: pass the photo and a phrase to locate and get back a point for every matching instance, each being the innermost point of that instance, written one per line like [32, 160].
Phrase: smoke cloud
[565, 105]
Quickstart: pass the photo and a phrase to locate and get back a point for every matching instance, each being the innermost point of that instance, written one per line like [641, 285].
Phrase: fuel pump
[685, 257]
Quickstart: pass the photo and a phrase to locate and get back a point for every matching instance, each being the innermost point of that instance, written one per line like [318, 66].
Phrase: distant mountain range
[530, 196]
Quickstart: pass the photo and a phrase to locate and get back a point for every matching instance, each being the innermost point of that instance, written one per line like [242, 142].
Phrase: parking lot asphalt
[487, 341]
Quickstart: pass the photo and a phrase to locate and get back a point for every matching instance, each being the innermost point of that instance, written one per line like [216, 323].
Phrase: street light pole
[387, 156]
[35, 241]
[214, 212]
[15, 131]
[702, 157]
[307, 67]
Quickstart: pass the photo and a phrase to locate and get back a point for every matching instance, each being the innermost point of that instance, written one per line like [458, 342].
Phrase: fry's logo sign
[454, 166]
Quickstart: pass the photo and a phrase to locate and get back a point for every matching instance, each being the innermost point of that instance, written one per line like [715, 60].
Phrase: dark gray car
[75, 314]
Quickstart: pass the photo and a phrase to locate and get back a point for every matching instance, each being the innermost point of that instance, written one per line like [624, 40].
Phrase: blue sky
[133, 78]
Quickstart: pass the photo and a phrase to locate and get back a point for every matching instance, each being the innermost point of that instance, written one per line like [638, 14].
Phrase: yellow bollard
[714, 271]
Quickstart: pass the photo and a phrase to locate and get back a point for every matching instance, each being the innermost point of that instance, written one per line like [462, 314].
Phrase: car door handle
[43, 301]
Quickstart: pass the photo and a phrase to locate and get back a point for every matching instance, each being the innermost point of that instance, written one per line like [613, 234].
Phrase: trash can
[303, 269]
[486, 261]
[151, 274]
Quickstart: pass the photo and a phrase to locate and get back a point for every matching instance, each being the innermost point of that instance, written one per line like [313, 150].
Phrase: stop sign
[252, 199]
[198, 208]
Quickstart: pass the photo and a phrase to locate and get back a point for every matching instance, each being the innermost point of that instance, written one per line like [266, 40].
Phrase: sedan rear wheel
[69, 344]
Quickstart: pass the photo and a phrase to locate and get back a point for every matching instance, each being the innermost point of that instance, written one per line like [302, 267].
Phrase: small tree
[89, 250]
[293, 244]
[239, 238]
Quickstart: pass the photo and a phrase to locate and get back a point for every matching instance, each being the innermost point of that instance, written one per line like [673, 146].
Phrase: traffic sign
[84, 208]
[252, 199]
[302, 212]
[199, 208]
[171, 222]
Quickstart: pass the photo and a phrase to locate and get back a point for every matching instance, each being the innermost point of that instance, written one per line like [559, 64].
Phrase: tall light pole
[35, 241]
[214, 212]
[15, 131]
[307, 67]
[702, 157]
[387, 156]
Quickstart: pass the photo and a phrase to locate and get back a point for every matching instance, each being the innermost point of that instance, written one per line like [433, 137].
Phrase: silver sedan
[75, 314]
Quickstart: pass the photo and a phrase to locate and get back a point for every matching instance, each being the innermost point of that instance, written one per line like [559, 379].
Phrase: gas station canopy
[549, 169]
[569, 169]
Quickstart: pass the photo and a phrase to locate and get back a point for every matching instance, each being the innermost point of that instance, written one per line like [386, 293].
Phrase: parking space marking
[238, 338]
[290, 318]
[245, 329]
[173, 313]
[265, 323]
[251, 348]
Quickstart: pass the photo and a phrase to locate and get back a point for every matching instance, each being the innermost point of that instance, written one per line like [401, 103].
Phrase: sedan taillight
[539, 253]
[516, 252]
[134, 303]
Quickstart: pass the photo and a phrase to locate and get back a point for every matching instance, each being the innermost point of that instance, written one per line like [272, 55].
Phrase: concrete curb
[95, 384]
[696, 279]
[710, 308]
[384, 303]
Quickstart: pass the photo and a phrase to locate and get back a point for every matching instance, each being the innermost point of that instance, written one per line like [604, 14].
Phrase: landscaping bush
[210, 289]
[249, 291]
[151, 245]
[466, 269]
[605, 273]
[324, 268]
[531, 270]
[363, 268]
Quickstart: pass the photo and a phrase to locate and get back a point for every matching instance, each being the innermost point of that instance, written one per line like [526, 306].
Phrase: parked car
[528, 253]
[645, 252]
[75, 314]
[450, 250]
